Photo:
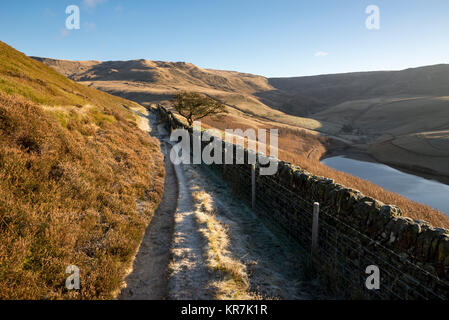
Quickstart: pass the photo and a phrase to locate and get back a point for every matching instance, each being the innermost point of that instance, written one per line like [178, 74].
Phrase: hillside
[79, 183]
[330, 90]
[378, 113]
[398, 117]
[150, 82]
[163, 73]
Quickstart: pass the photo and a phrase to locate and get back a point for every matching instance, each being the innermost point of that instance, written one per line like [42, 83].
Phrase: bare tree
[194, 106]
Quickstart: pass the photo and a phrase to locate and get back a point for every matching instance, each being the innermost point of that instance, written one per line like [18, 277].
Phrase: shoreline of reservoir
[359, 152]
[425, 190]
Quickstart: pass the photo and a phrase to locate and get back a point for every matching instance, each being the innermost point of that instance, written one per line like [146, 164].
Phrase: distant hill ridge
[158, 72]
[319, 91]
[398, 117]
[333, 89]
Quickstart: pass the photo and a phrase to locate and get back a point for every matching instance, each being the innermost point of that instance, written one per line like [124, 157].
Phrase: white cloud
[92, 3]
[321, 54]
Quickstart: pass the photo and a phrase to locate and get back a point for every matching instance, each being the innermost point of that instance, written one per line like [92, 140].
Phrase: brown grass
[73, 167]
[68, 192]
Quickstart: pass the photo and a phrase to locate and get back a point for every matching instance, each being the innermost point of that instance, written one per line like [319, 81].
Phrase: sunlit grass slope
[79, 182]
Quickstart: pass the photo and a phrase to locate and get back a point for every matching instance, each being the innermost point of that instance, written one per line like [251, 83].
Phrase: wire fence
[343, 253]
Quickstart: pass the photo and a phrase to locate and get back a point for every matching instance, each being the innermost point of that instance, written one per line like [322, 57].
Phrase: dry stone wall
[355, 231]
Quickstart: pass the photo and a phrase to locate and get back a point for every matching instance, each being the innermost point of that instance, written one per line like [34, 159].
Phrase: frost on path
[190, 276]
[274, 263]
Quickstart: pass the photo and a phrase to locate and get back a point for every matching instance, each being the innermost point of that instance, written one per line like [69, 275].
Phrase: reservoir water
[429, 192]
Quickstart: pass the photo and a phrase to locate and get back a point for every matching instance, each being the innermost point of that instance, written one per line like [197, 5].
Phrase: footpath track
[174, 260]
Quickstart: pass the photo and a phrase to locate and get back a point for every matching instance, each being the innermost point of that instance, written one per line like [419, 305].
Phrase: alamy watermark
[73, 21]
[214, 153]
[373, 20]
[73, 281]
[373, 280]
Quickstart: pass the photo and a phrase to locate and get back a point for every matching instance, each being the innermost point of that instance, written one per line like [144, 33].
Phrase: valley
[212, 158]
[399, 118]
[197, 243]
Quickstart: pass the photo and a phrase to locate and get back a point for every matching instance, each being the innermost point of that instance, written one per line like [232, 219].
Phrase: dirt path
[190, 276]
[149, 278]
[170, 263]
[179, 253]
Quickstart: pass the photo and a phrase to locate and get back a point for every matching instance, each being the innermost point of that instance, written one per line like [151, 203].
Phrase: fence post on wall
[315, 224]
[253, 186]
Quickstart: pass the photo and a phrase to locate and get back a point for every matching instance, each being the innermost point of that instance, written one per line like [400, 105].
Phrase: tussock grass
[73, 166]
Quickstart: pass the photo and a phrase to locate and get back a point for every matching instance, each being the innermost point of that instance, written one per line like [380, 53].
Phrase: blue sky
[270, 38]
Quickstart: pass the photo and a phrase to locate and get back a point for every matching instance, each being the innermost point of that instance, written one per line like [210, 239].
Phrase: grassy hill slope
[149, 82]
[79, 182]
